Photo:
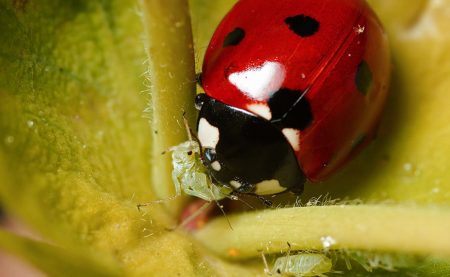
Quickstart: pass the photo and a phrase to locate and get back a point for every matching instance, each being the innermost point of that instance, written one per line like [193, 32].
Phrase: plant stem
[408, 229]
[172, 77]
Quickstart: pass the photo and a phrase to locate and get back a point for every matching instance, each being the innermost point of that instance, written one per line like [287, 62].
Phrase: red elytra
[334, 52]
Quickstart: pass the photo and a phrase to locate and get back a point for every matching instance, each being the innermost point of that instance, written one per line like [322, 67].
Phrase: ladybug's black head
[245, 152]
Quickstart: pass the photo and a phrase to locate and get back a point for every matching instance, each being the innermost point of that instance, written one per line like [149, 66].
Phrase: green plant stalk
[412, 230]
[171, 58]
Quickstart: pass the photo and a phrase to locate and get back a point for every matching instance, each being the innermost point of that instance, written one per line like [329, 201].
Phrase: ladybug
[293, 90]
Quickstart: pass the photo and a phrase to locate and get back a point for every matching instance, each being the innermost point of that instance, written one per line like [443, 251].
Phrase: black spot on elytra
[290, 110]
[302, 25]
[234, 37]
[363, 78]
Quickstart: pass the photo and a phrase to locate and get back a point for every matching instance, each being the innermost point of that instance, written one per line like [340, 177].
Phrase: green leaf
[56, 261]
[77, 152]
[75, 146]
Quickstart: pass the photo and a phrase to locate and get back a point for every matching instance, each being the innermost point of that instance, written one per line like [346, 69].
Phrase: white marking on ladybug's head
[235, 184]
[293, 137]
[207, 134]
[216, 166]
[260, 109]
[260, 82]
[269, 187]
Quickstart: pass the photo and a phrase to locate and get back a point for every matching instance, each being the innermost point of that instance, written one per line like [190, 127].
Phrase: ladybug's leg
[298, 190]
[266, 202]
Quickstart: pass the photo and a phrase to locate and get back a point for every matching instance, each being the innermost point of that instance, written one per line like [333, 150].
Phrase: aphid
[302, 264]
[189, 174]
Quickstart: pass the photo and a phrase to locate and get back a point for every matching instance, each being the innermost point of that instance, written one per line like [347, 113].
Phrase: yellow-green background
[76, 144]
